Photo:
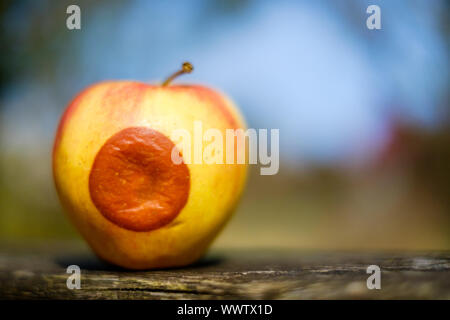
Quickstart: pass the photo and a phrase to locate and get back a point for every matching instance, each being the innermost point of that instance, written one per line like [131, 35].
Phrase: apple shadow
[91, 262]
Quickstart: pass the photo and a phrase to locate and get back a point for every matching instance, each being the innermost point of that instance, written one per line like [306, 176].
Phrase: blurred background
[363, 114]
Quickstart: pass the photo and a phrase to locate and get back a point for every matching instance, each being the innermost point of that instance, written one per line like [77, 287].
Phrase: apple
[115, 177]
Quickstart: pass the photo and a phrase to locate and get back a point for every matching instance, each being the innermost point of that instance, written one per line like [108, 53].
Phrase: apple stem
[186, 67]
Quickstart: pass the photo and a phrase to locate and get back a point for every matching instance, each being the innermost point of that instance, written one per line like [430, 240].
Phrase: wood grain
[39, 272]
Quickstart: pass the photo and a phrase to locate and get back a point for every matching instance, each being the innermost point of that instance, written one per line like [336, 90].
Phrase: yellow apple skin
[106, 108]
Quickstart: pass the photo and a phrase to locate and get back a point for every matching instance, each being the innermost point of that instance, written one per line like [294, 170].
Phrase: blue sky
[310, 69]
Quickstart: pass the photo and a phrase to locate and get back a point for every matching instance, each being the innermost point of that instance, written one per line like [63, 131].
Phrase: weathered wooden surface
[40, 273]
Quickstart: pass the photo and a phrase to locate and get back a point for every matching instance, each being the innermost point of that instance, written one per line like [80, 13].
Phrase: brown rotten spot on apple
[134, 182]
